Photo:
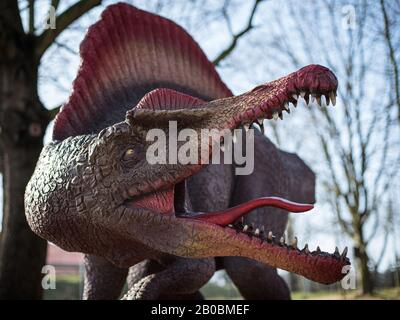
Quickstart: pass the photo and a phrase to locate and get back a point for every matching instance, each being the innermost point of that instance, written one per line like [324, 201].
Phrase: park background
[353, 148]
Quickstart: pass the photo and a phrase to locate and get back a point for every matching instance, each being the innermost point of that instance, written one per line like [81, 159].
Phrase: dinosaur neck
[51, 196]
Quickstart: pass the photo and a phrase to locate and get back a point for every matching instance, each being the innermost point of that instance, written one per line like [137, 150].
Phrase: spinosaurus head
[94, 189]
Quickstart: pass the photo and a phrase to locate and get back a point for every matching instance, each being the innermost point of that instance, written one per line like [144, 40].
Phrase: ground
[70, 287]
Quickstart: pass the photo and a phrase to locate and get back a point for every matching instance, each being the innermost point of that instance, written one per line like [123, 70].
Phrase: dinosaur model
[168, 227]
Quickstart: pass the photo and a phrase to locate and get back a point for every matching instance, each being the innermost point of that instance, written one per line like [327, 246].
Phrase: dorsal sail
[125, 55]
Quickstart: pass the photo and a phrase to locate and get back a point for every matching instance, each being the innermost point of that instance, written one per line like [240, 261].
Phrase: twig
[235, 37]
[46, 39]
[392, 56]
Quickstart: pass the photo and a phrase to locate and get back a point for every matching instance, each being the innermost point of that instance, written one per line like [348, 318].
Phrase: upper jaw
[314, 83]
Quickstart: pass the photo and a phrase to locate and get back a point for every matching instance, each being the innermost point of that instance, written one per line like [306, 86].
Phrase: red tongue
[225, 217]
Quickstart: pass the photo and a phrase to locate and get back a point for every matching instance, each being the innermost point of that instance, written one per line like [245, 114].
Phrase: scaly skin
[95, 192]
[77, 195]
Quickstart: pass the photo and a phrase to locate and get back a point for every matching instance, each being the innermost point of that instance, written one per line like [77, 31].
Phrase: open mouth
[314, 84]
[325, 268]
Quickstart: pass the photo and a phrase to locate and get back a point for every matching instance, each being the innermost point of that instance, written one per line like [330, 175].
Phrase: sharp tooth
[257, 232]
[262, 128]
[245, 228]
[333, 98]
[327, 99]
[302, 93]
[246, 126]
[312, 99]
[295, 96]
[344, 253]
[323, 101]
[305, 249]
[336, 253]
[270, 235]
[230, 225]
[282, 241]
[319, 100]
[286, 106]
[275, 115]
[294, 242]
[260, 122]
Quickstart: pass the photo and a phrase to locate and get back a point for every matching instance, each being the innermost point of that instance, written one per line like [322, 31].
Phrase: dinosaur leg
[255, 280]
[147, 267]
[103, 280]
[182, 278]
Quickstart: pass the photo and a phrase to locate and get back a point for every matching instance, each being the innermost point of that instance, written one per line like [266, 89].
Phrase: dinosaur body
[94, 190]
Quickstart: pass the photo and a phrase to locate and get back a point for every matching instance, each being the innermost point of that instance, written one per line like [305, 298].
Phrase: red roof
[58, 256]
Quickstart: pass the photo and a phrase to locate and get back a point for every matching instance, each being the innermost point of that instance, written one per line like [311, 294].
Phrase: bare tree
[236, 36]
[355, 145]
[392, 47]
[23, 120]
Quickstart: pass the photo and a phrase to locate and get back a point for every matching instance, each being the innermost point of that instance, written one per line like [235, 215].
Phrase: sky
[61, 65]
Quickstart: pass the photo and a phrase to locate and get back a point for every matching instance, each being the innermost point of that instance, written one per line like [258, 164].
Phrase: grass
[68, 287]
[380, 294]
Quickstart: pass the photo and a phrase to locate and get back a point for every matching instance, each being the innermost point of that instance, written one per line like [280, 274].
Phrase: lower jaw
[213, 240]
[223, 234]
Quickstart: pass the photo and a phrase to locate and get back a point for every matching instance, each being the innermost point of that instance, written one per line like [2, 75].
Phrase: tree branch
[65, 19]
[392, 56]
[235, 38]
[31, 7]
[55, 3]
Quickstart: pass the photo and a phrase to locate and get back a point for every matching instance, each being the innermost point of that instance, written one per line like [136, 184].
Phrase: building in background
[66, 263]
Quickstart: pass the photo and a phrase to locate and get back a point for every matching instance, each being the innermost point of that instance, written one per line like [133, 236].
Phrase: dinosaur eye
[129, 154]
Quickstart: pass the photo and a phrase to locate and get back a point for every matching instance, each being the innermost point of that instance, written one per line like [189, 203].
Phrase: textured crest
[125, 55]
[167, 99]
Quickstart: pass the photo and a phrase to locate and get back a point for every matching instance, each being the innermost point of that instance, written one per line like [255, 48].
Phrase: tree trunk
[22, 253]
[23, 121]
[367, 285]
[361, 255]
